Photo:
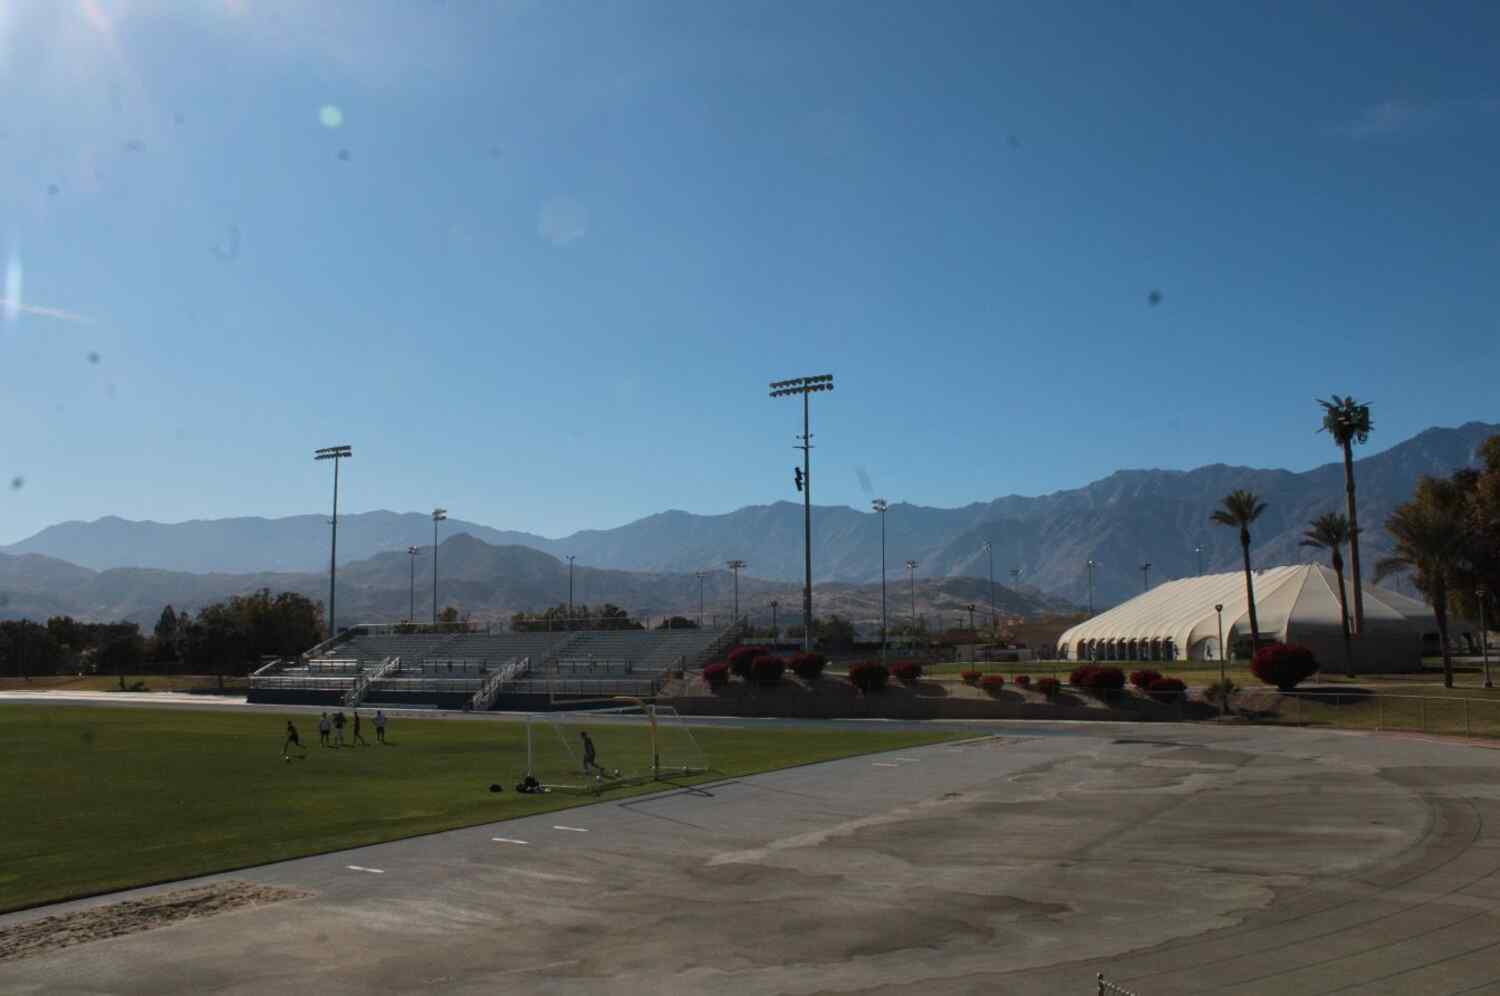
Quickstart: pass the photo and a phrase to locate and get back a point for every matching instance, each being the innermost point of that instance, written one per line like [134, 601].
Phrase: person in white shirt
[379, 726]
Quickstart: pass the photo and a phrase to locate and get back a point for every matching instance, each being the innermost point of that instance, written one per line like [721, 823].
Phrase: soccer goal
[632, 743]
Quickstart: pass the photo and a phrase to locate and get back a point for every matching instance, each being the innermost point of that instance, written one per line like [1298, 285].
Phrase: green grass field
[99, 799]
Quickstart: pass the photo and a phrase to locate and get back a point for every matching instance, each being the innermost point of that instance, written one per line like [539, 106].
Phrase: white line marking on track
[573, 829]
[538, 968]
[507, 840]
[362, 868]
[906, 759]
[885, 764]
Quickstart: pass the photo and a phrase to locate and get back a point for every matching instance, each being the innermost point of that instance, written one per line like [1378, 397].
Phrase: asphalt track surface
[1175, 858]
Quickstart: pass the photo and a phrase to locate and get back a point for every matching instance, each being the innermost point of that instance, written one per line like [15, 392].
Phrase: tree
[1430, 534]
[123, 654]
[677, 622]
[1348, 422]
[448, 615]
[1330, 532]
[166, 628]
[1239, 508]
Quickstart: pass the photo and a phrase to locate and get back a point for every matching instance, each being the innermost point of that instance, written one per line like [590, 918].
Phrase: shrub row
[1166, 690]
[1101, 680]
[907, 671]
[869, 676]
[992, 683]
[1143, 678]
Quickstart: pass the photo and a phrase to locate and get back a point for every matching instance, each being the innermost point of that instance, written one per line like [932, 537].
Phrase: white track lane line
[573, 829]
[361, 868]
[906, 759]
[884, 764]
[507, 840]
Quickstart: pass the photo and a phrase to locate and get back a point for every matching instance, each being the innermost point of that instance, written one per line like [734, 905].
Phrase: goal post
[632, 743]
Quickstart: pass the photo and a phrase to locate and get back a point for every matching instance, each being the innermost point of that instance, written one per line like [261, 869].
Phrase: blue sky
[543, 268]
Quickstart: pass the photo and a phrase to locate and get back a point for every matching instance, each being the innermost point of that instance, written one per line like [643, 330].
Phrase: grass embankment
[111, 683]
[99, 799]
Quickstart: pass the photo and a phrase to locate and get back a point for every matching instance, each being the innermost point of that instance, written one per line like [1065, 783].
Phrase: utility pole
[911, 573]
[438, 515]
[880, 506]
[334, 453]
[1146, 576]
[775, 630]
[970, 607]
[805, 386]
[989, 548]
[1092, 564]
[700, 576]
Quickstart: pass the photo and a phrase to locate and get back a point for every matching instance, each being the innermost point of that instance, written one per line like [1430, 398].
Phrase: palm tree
[1348, 422]
[1429, 533]
[1330, 532]
[1240, 508]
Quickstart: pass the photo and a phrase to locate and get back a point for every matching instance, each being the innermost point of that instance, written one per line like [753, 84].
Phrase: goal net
[631, 744]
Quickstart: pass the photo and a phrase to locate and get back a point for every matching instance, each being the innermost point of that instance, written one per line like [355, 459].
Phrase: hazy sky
[536, 262]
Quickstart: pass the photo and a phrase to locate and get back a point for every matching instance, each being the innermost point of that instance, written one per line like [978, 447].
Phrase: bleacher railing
[490, 690]
[362, 684]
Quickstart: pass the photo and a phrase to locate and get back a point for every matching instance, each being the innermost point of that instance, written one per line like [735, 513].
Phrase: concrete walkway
[1177, 859]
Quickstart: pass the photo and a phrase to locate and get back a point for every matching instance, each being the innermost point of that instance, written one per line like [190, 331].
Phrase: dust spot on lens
[343, 155]
[53, 190]
[1154, 298]
[93, 357]
[134, 145]
[17, 483]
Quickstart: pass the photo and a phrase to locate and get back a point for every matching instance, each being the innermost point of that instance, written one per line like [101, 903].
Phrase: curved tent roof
[1297, 603]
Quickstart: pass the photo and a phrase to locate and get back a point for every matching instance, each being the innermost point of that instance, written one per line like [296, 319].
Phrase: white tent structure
[1296, 604]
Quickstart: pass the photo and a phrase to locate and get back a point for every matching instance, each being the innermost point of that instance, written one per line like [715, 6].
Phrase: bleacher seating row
[447, 669]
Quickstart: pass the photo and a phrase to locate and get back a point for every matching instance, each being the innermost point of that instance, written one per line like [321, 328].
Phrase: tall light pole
[334, 453]
[805, 386]
[911, 574]
[775, 630]
[438, 515]
[570, 591]
[989, 548]
[880, 507]
[970, 607]
[735, 565]
[1015, 578]
[700, 575]
[1092, 564]
[1199, 551]
[1223, 691]
[1483, 592]
[411, 616]
[1146, 576]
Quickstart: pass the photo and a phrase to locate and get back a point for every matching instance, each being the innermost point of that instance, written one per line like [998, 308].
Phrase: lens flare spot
[13, 285]
[329, 116]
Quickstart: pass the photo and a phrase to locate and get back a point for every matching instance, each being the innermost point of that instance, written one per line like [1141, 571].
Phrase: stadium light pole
[411, 615]
[1222, 692]
[570, 591]
[700, 598]
[989, 548]
[806, 387]
[880, 506]
[1146, 576]
[1199, 551]
[438, 515]
[911, 574]
[775, 630]
[1483, 592]
[970, 607]
[1092, 564]
[735, 565]
[334, 453]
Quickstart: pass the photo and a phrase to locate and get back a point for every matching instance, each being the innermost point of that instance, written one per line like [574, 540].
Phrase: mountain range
[1121, 521]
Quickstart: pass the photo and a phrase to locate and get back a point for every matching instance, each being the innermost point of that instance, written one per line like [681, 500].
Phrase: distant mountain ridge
[1122, 521]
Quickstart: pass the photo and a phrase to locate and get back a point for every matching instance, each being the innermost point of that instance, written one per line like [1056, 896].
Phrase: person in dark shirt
[338, 728]
[590, 758]
[357, 738]
[292, 740]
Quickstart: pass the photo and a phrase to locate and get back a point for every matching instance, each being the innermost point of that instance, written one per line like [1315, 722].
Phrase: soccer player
[357, 738]
[589, 757]
[338, 728]
[323, 727]
[292, 740]
[379, 726]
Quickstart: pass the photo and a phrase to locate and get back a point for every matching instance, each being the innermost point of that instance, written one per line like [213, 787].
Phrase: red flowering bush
[741, 658]
[1167, 690]
[808, 666]
[1285, 665]
[969, 677]
[907, 671]
[869, 676]
[1049, 687]
[1102, 681]
[1022, 681]
[716, 675]
[1079, 678]
[767, 669]
[1143, 678]
[992, 683]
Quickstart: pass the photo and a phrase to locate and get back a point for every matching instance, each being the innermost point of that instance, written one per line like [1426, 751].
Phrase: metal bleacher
[487, 670]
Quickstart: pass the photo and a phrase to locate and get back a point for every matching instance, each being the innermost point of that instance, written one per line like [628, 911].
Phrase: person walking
[590, 758]
[292, 740]
[338, 728]
[379, 726]
[324, 726]
[357, 738]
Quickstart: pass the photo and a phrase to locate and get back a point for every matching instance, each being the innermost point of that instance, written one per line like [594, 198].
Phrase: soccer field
[99, 799]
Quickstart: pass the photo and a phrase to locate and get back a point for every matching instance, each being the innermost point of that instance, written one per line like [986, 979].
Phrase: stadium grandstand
[471, 669]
